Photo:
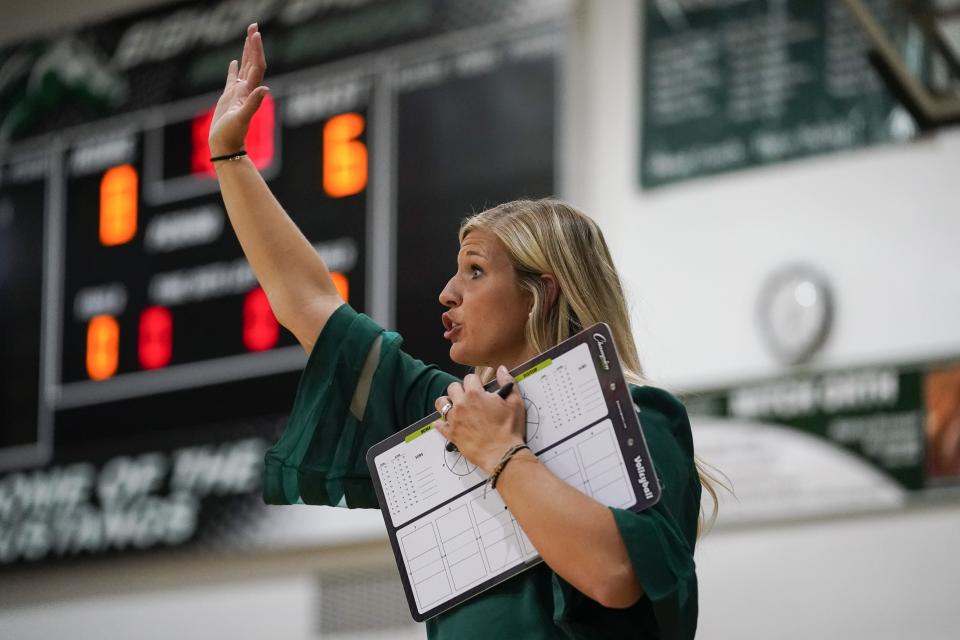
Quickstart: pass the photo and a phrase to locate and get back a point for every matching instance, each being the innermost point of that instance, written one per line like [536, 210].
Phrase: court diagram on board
[533, 418]
[456, 463]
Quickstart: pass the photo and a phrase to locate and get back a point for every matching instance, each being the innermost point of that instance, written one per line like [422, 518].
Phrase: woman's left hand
[482, 424]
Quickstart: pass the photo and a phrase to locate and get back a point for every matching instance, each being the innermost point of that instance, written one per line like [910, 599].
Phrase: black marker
[503, 392]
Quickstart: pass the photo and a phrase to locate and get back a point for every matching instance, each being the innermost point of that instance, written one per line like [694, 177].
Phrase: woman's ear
[551, 287]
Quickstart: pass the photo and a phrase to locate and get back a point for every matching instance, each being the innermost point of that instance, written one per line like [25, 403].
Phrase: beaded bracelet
[512, 451]
[230, 156]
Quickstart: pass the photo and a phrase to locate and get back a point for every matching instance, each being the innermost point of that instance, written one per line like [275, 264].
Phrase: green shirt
[359, 387]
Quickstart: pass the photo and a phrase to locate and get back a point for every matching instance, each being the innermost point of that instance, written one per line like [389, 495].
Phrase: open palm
[241, 97]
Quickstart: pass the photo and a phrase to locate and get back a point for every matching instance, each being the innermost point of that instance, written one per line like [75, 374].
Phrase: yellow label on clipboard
[419, 432]
[536, 368]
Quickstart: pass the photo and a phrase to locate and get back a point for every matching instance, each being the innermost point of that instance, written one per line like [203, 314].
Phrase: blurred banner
[736, 84]
[832, 442]
[182, 49]
[142, 371]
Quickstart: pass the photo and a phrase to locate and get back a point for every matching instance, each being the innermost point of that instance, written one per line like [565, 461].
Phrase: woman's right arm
[292, 274]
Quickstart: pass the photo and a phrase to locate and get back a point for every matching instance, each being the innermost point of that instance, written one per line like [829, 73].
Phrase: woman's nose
[449, 297]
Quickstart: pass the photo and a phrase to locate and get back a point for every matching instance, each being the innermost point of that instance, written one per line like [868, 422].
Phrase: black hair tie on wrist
[230, 156]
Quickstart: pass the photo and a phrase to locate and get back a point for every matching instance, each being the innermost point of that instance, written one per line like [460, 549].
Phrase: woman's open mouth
[450, 327]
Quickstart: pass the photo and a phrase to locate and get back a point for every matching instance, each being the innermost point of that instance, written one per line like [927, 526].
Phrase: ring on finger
[444, 410]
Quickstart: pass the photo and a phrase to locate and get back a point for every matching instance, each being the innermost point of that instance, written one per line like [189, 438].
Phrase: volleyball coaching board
[453, 537]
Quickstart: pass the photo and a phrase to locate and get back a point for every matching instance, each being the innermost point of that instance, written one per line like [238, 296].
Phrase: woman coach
[528, 275]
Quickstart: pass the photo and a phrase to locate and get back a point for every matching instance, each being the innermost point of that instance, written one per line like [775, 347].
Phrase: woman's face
[487, 309]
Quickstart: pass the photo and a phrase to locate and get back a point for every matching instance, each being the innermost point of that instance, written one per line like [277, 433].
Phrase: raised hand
[241, 97]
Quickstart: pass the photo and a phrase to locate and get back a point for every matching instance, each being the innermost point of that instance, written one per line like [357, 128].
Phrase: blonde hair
[551, 236]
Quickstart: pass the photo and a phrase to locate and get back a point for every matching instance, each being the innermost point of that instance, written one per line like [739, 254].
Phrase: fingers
[503, 376]
[440, 402]
[444, 429]
[455, 392]
[244, 58]
[252, 103]
[472, 383]
[258, 62]
[252, 63]
[442, 425]
[231, 74]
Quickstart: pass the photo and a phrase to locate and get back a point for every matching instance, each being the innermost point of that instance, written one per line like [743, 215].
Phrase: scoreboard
[156, 281]
[130, 321]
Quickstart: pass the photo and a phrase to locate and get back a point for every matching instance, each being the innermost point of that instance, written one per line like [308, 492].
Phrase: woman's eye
[476, 271]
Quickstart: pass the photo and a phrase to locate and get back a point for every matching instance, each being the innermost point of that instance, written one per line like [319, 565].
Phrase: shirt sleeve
[660, 540]
[358, 387]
